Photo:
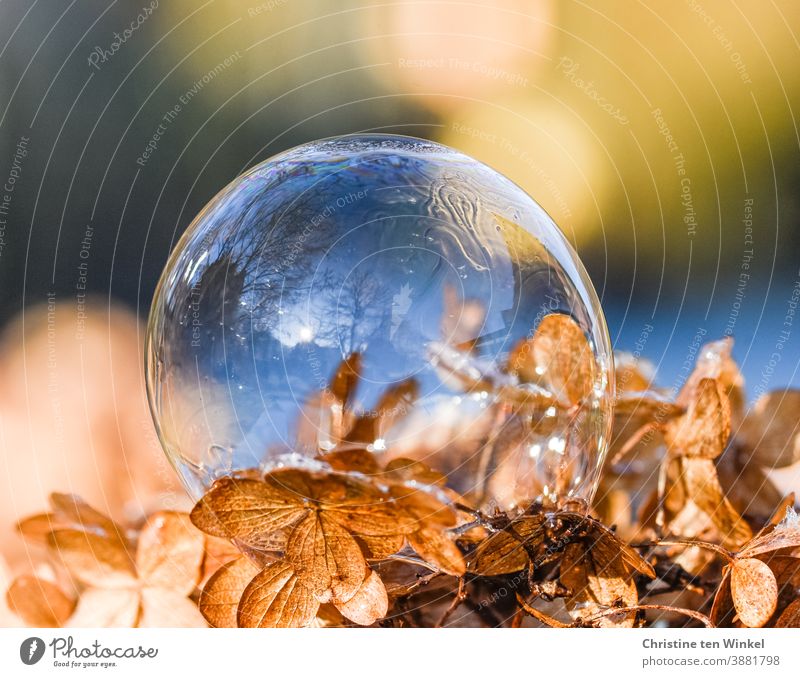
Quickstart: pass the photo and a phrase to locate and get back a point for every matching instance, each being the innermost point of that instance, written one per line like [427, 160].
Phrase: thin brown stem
[413, 560]
[540, 615]
[696, 615]
[632, 441]
[461, 594]
[688, 542]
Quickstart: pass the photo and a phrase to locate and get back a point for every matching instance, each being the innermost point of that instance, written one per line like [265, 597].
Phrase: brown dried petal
[395, 404]
[100, 608]
[369, 604]
[94, 560]
[170, 552]
[381, 547]
[786, 534]
[703, 487]
[437, 548]
[69, 512]
[771, 429]
[219, 600]
[276, 598]
[73, 512]
[163, 608]
[754, 590]
[714, 361]
[646, 406]
[356, 459]
[722, 611]
[597, 585]
[345, 380]
[704, 429]
[40, 603]
[787, 575]
[632, 373]
[606, 549]
[790, 618]
[218, 552]
[675, 497]
[562, 353]
[351, 496]
[461, 319]
[506, 551]
[245, 509]
[384, 517]
[409, 470]
[37, 528]
[521, 363]
[326, 557]
[747, 486]
[420, 508]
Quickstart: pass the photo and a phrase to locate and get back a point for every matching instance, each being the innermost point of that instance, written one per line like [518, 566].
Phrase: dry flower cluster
[696, 532]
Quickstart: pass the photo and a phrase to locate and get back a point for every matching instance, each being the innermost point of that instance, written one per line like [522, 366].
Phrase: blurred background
[661, 137]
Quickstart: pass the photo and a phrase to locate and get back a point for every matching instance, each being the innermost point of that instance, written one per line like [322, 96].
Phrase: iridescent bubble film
[390, 295]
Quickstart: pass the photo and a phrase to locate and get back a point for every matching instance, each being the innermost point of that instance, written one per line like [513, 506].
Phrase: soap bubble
[387, 295]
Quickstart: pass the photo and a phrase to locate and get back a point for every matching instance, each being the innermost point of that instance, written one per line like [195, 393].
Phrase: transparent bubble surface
[390, 295]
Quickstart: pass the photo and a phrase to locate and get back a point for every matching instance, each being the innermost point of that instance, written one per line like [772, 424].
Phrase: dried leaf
[383, 517]
[790, 618]
[722, 611]
[437, 548]
[356, 505]
[170, 552]
[37, 528]
[218, 552]
[506, 551]
[632, 373]
[245, 509]
[782, 509]
[646, 406]
[785, 534]
[369, 604]
[521, 363]
[106, 608]
[746, 485]
[276, 598]
[345, 380]
[356, 459]
[219, 600]
[381, 547]
[40, 603]
[703, 487]
[163, 608]
[70, 512]
[675, 494]
[326, 557]
[461, 320]
[704, 429]
[754, 591]
[395, 403]
[421, 509]
[606, 548]
[770, 429]
[92, 559]
[409, 470]
[597, 584]
[562, 354]
[787, 575]
[714, 361]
